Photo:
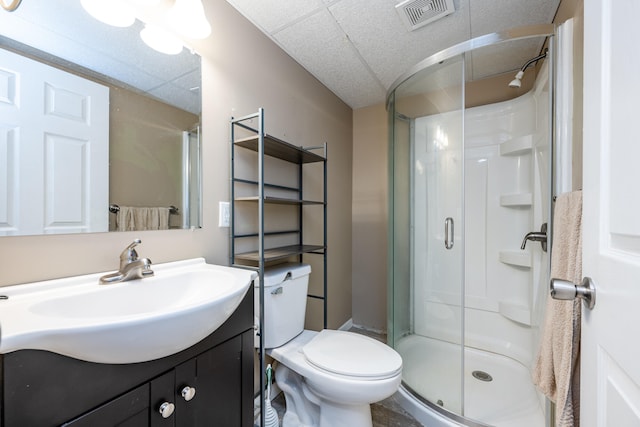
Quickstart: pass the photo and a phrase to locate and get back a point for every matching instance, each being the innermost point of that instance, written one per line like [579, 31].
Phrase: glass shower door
[427, 233]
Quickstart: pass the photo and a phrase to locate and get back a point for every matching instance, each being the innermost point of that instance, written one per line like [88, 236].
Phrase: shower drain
[482, 376]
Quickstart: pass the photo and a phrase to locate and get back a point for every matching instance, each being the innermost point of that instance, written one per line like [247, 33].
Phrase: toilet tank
[285, 302]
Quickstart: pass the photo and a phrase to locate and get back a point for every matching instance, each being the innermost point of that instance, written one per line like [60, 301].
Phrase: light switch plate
[224, 214]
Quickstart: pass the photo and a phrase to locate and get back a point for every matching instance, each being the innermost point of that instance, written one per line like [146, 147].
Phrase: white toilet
[329, 378]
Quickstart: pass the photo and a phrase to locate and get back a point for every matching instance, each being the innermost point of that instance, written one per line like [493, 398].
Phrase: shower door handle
[448, 233]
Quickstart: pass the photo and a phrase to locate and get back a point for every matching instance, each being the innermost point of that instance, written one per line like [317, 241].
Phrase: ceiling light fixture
[187, 17]
[117, 13]
[164, 20]
[146, 3]
[159, 39]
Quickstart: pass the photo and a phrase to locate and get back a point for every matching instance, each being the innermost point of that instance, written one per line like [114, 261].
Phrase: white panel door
[54, 152]
[610, 372]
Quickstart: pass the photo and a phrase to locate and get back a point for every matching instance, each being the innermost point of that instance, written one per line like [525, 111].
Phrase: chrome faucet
[131, 266]
[537, 236]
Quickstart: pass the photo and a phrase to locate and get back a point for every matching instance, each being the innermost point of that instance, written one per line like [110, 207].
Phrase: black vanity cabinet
[208, 384]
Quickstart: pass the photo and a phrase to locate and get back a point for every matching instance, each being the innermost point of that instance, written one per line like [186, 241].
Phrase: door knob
[566, 290]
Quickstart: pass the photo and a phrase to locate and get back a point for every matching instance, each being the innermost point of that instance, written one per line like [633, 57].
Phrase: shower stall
[470, 177]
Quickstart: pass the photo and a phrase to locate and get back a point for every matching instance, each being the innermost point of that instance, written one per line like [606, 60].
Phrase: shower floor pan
[509, 399]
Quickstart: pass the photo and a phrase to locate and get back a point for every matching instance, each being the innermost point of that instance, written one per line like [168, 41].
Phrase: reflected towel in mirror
[131, 218]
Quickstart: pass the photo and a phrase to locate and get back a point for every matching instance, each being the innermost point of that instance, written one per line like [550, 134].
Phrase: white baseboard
[346, 326]
[369, 329]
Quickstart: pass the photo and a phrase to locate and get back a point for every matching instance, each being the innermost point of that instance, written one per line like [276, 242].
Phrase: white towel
[142, 218]
[556, 371]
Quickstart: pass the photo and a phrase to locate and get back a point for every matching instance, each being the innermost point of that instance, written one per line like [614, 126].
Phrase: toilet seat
[353, 355]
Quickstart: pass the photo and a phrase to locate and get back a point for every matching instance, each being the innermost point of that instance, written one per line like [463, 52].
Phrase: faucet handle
[537, 236]
[129, 254]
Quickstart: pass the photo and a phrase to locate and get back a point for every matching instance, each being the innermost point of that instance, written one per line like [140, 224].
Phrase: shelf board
[280, 149]
[266, 184]
[279, 253]
[517, 146]
[278, 200]
[266, 233]
[518, 259]
[517, 199]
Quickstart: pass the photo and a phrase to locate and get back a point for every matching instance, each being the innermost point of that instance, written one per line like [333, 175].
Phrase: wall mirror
[114, 128]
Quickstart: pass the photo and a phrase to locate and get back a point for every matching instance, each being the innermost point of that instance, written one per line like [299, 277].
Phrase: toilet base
[306, 409]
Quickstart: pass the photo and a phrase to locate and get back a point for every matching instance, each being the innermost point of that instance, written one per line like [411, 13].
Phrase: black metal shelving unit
[268, 146]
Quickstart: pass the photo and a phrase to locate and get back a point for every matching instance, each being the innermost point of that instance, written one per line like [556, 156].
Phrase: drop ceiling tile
[358, 48]
[186, 100]
[271, 15]
[319, 45]
[490, 16]
[386, 45]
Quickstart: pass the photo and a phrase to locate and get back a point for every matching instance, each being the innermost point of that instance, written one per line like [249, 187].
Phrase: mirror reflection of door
[153, 99]
[54, 153]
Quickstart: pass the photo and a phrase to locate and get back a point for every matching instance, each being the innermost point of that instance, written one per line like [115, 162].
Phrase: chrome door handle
[448, 233]
[566, 290]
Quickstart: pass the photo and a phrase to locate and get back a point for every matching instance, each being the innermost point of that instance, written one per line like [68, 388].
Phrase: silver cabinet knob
[188, 393]
[565, 290]
[166, 409]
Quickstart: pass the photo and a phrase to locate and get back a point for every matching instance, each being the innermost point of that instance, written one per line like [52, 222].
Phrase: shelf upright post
[232, 192]
[325, 235]
[300, 210]
[261, 262]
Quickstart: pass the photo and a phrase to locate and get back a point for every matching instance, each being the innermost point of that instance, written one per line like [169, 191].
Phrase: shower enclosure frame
[534, 31]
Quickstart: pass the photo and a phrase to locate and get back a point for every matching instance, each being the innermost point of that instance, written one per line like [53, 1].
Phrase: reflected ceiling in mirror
[153, 135]
[64, 30]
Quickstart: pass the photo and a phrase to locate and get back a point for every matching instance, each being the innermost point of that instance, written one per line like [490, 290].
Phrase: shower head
[517, 81]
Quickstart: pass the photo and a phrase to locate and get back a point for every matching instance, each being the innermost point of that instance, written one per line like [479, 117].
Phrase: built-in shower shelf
[515, 311]
[516, 200]
[518, 259]
[517, 146]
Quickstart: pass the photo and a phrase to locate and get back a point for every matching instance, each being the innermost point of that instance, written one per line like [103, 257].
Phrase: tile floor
[386, 413]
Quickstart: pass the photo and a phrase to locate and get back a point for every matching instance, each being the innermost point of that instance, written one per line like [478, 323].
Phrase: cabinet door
[218, 401]
[128, 410]
[188, 393]
[162, 392]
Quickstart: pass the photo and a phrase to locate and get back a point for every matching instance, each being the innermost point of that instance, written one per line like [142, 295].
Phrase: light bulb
[187, 17]
[161, 40]
[146, 3]
[115, 12]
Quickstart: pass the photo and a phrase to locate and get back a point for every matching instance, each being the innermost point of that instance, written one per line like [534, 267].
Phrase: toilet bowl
[329, 378]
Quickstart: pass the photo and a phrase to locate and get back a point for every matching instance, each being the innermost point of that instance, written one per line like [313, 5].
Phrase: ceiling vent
[418, 13]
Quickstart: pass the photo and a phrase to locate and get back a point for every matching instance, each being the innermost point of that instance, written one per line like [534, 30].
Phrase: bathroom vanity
[43, 388]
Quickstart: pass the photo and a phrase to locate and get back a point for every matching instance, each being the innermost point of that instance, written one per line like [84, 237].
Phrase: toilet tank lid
[288, 271]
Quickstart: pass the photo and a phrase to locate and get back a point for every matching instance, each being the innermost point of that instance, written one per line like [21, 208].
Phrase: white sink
[125, 322]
